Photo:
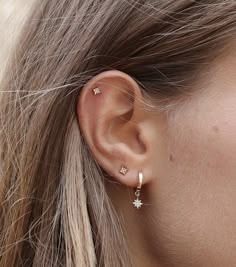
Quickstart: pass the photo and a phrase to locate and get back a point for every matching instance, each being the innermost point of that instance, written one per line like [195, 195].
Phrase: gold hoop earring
[137, 202]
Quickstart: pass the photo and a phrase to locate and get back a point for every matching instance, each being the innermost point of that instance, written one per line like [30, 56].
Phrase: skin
[188, 161]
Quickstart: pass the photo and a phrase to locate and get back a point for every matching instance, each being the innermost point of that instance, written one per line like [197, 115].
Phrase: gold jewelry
[137, 202]
[123, 170]
[96, 91]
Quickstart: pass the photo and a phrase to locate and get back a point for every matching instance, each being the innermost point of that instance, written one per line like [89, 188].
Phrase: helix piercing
[96, 91]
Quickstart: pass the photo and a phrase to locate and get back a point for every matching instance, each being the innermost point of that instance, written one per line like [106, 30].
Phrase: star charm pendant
[137, 203]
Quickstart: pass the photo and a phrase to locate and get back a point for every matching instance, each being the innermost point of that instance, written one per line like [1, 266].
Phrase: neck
[133, 222]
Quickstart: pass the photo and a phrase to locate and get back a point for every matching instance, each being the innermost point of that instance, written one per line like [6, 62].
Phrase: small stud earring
[137, 202]
[96, 91]
[123, 170]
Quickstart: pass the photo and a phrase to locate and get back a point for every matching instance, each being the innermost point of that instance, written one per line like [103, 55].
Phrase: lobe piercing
[137, 202]
[123, 170]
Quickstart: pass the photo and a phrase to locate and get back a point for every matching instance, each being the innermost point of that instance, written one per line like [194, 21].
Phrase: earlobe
[110, 117]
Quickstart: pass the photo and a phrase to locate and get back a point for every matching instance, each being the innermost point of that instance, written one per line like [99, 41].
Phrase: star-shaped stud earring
[96, 91]
[123, 170]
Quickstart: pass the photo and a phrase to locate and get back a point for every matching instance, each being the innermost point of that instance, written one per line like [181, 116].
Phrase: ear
[117, 128]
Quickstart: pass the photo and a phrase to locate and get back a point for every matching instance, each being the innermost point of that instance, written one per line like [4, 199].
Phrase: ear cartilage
[96, 91]
[123, 170]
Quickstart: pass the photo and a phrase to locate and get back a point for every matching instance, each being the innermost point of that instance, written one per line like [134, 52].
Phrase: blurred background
[12, 16]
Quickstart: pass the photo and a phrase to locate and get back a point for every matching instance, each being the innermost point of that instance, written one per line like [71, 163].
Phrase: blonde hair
[54, 207]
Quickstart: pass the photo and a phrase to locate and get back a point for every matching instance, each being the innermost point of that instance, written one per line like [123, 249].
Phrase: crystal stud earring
[96, 91]
[123, 170]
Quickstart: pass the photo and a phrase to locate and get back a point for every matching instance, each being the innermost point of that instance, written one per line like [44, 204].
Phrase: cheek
[199, 179]
[204, 143]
